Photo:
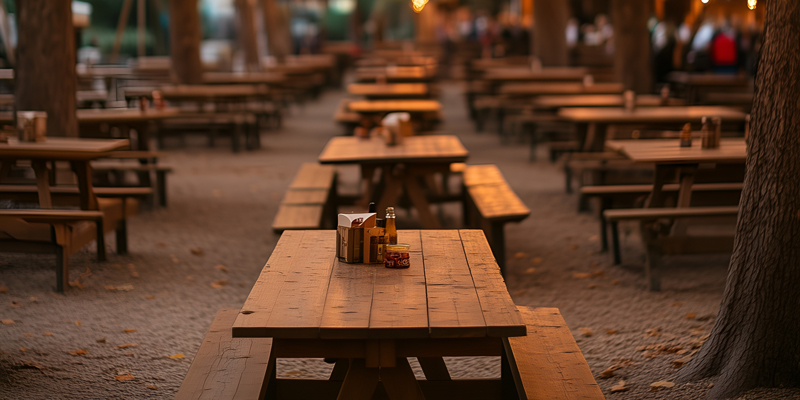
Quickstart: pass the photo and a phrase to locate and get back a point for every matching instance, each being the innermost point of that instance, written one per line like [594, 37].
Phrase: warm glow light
[751, 4]
[704, 1]
[418, 5]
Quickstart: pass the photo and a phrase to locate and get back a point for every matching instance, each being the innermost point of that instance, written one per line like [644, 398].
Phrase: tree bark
[247, 33]
[754, 342]
[45, 71]
[550, 19]
[632, 58]
[279, 39]
[185, 36]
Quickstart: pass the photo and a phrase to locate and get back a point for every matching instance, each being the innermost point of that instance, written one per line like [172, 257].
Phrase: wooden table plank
[288, 297]
[543, 88]
[61, 148]
[454, 309]
[419, 149]
[388, 90]
[668, 151]
[399, 302]
[499, 311]
[382, 106]
[611, 115]
[346, 314]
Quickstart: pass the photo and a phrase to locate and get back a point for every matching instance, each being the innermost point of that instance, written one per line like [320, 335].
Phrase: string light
[751, 4]
[418, 5]
[704, 1]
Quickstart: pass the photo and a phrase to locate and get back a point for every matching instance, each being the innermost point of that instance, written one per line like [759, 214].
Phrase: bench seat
[225, 368]
[547, 363]
[311, 196]
[490, 203]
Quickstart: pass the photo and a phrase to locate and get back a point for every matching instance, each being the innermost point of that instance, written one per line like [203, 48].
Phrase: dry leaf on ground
[520, 255]
[150, 297]
[77, 284]
[129, 330]
[654, 332]
[581, 275]
[609, 372]
[23, 349]
[31, 365]
[29, 335]
[78, 323]
[161, 244]
[536, 260]
[222, 268]
[586, 332]
[611, 331]
[80, 352]
[33, 299]
[592, 286]
[679, 362]
[197, 251]
[615, 282]
[101, 340]
[152, 387]
[677, 304]
[690, 315]
[126, 345]
[3, 289]
[218, 284]
[530, 271]
[656, 386]
[129, 354]
[8, 322]
[573, 247]
[174, 259]
[176, 356]
[48, 334]
[621, 386]
[124, 377]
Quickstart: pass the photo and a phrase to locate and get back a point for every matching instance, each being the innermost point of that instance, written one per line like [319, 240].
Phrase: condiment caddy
[364, 238]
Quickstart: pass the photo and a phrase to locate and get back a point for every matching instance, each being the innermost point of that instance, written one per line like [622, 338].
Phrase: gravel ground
[146, 313]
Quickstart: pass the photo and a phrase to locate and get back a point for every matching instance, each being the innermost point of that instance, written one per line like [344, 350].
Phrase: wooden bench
[547, 363]
[348, 119]
[118, 169]
[310, 198]
[490, 203]
[614, 196]
[658, 244]
[236, 124]
[226, 368]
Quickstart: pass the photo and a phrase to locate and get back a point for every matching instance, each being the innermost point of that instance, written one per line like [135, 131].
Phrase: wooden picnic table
[545, 88]
[553, 102]
[526, 74]
[592, 123]
[387, 106]
[401, 166]
[79, 152]
[452, 301]
[396, 73]
[243, 77]
[391, 90]
[695, 83]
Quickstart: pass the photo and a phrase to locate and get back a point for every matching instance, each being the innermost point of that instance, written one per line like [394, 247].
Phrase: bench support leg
[497, 242]
[615, 242]
[360, 381]
[509, 385]
[161, 182]
[435, 369]
[653, 253]
[400, 382]
[122, 237]
[62, 269]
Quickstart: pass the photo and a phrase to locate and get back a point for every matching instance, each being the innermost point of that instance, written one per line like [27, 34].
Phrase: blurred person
[664, 43]
[573, 32]
[724, 51]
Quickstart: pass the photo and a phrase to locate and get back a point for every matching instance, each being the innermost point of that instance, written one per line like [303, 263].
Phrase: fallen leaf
[129, 354]
[189, 278]
[31, 365]
[530, 271]
[594, 238]
[8, 322]
[620, 387]
[520, 255]
[592, 286]
[690, 315]
[134, 274]
[29, 335]
[679, 362]
[536, 260]
[23, 349]
[598, 274]
[581, 275]
[650, 355]
[705, 318]
[656, 386]
[615, 282]
[222, 268]
[150, 297]
[129, 330]
[197, 251]
[176, 356]
[119, 266]
[101, 340]
[218, 284]
[611, 332]
[609, 372]
[80, 352]
[77, 284]
[152, 387]
[293, 373]
[16, 304]
[174, 259]
[677, 304]
[48, 334]
[124, 377]
[654, 332]
[126, 345]
[681, 351]
[586, 332]
[33, 299]
[3, 289]
[573, 247]
[78, 323]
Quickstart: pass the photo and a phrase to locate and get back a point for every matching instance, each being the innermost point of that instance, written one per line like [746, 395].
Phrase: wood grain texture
[596, 100]
[453, 304]
[413, 149]
[538, 89]
[499, 312]
[297, 216]
[65, 149]
[388, 90]
[384, 106]
[313, 176]
[228, 368]
[486, 174]
[668, 151]
[305, 197]
[611, 115]
[547, 364]
[498, 202]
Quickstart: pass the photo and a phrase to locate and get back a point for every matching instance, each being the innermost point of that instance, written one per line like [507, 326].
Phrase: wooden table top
[243, 77]
[453, 289]
[413, 149]
[527, 74]
[210, 91]
[668, 151]
[595, 100]
[538, 89]
[395, 72]
[111, 115]
[380, 106]
[60, 148]
[389, 89]
[705, 79]
[686, 114]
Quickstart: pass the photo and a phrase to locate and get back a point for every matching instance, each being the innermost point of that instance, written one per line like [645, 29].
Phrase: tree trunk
[45, 71]
[279, 38]
[632, 58]
[754, 342]
[550, 19]
[247, 33]
[185, 35]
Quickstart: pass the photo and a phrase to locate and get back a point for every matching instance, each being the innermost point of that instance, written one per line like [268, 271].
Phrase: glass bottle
[391, 228]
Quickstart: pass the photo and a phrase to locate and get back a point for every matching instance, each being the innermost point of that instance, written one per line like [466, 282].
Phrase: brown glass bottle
[391, 228]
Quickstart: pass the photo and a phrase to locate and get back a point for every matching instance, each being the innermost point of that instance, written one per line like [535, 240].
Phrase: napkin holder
[350, 236]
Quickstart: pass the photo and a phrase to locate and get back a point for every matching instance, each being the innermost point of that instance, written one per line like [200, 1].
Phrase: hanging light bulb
[418, 5]
[706, 1]
[751, 4]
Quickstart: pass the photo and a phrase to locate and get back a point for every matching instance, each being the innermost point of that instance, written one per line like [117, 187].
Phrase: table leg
[340, 370]
[391, 191]
[435, 368]
[417, 196]
[360, 381]
[400, 382]
[662, 174]
[42, 183]
[367, 184]
[84, 173]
